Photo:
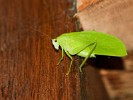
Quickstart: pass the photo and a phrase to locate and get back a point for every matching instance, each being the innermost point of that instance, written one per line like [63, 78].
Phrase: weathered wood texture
[82, 4]
[28, 60]
[110, 16]
[118, 84]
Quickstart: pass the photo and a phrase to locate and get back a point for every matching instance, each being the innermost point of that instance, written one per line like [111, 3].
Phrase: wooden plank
[82, 4]
[28, 60]
[119, 84]
[111, 16]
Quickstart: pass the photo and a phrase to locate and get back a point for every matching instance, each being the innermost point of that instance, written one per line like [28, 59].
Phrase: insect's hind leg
[93, 48]
[70, 62]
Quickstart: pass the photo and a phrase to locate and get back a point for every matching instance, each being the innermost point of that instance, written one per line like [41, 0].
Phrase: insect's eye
[55, 40]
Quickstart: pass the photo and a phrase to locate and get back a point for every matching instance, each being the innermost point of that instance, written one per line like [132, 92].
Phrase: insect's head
[55, 43]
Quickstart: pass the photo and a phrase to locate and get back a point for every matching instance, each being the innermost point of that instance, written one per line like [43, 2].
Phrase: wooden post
[28, 69]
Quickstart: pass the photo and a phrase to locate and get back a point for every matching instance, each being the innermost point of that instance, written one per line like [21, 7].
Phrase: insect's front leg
[62, 56]
[89, 54]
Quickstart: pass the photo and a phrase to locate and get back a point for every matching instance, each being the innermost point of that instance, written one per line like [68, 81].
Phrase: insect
[88, 44]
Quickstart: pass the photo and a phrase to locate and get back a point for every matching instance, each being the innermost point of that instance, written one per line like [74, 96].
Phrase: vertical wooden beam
[28, 60]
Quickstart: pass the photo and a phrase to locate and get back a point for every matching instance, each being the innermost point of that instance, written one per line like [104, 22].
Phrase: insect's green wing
[109, 45]
[78, 41]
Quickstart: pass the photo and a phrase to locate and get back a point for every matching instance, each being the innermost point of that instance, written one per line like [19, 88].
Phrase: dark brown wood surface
[28, 60]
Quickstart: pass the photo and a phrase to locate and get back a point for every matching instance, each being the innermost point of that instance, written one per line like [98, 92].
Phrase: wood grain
[28, 60]
[82, 4]
[119, 84]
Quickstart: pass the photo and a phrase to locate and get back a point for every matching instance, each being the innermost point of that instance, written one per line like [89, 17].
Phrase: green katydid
[88, 44]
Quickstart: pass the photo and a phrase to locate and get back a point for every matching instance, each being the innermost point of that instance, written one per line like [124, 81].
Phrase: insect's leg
[93, 48]
[70, 62]
[61, 57]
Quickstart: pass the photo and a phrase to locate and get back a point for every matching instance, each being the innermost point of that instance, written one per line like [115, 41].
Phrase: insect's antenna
[40, 32]
[28, 26]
